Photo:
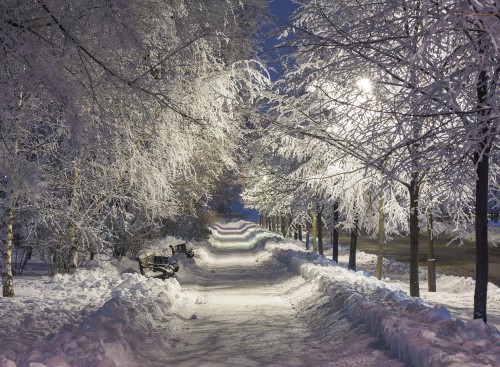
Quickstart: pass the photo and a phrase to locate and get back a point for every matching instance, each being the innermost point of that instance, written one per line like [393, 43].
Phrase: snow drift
[415, 332]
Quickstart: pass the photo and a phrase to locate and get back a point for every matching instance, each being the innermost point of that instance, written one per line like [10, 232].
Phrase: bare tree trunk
[353, 246]
[414, 188]
[481, 288]
[319, 230]
[230, 214]
[485, 93]
[381, 235]
[314, 231]
[299, 231]
[289, 223]
[283, 224]
[73, 235]
[27, 257]
[431, 260]
[307, 236]
[335, 232]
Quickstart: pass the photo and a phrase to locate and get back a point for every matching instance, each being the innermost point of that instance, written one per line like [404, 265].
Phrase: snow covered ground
[454, 292]
[250, 299]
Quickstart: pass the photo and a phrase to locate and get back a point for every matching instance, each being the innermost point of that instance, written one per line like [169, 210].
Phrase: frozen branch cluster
[116, 119]
[393, 104]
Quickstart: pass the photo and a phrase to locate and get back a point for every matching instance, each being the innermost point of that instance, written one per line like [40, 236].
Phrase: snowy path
[243, 317]
[251, 311]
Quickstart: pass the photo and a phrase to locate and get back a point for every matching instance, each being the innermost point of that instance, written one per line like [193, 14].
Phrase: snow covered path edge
[415, 332]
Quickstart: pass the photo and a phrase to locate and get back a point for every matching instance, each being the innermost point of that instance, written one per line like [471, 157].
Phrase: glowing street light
[365, 85]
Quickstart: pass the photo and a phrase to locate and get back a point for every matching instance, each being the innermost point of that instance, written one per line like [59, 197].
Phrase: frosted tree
[462, 38]
[340, 45]
[141, 93]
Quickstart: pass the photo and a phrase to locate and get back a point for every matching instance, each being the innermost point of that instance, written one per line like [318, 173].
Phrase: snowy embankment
[112, 316]
[93, 318]
[417, 333]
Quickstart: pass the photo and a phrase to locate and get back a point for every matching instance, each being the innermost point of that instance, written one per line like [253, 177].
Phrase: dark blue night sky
[281, 9]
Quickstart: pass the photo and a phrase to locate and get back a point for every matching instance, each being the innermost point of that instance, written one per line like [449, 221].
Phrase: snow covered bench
[181, 248]
[153, 266]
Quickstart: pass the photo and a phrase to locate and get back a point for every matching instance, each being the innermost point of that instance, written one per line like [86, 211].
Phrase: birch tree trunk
[7, 274]
[7, 277]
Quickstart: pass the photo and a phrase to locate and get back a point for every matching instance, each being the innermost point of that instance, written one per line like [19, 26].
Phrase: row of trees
[387, 108]
[116, 119]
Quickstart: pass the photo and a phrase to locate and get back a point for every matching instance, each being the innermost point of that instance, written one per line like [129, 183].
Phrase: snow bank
[112, 334]
[97, 317]
[415, 332]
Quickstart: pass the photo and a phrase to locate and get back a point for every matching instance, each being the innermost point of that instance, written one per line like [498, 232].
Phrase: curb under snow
[416, 333]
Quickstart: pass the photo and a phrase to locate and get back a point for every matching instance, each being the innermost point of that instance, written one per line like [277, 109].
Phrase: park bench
[181, 248]
[153, 266]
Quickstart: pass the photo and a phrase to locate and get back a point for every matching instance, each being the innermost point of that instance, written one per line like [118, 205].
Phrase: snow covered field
[251, 299]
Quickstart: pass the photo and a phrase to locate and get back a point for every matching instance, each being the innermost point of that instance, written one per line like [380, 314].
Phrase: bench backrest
[145, 259]
[177, 249]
